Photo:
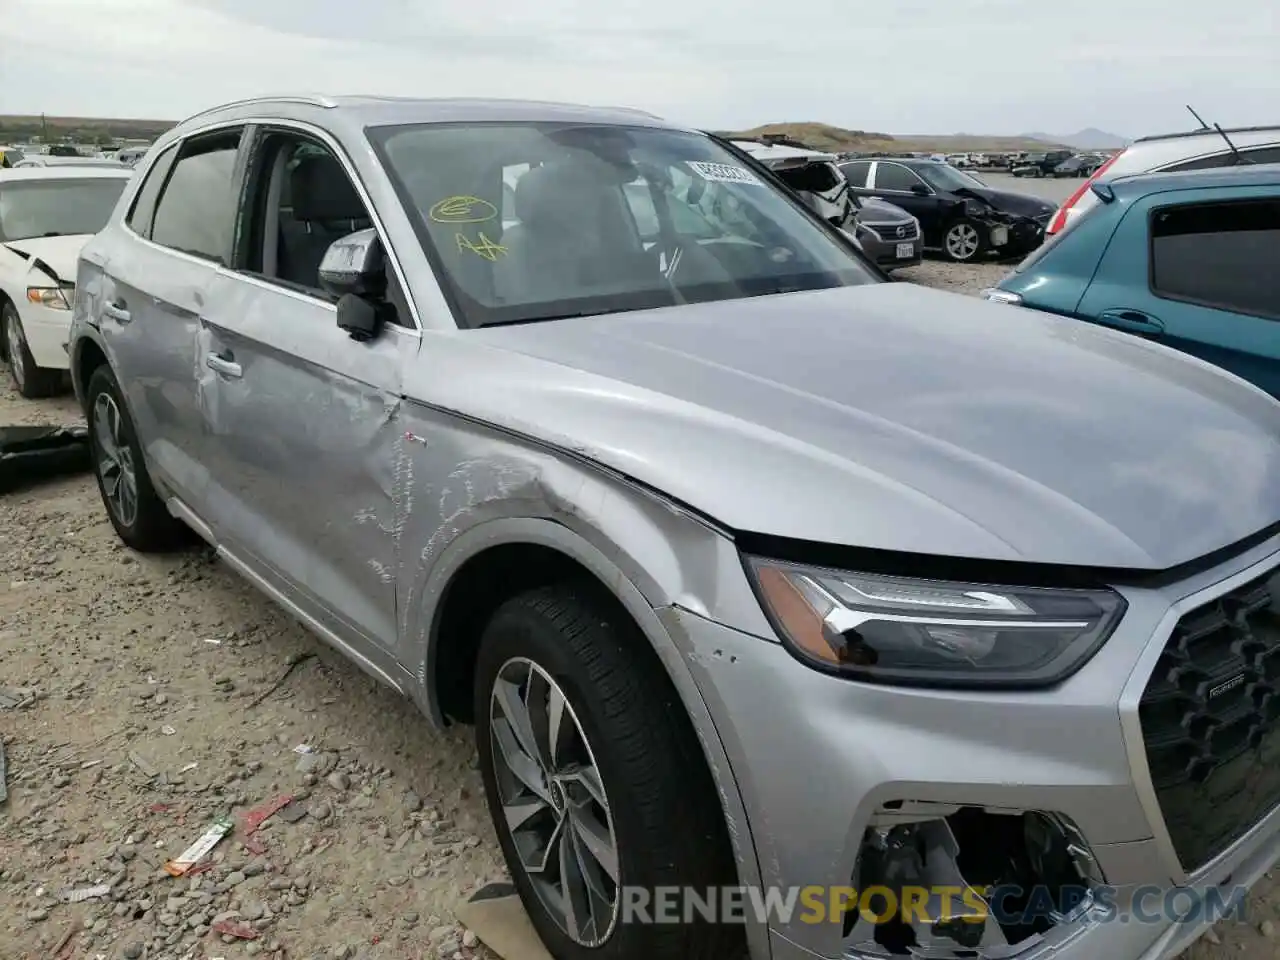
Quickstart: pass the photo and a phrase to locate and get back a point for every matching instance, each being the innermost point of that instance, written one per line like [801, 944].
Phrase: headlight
[996, 295]
[933, 633]
[55, 298]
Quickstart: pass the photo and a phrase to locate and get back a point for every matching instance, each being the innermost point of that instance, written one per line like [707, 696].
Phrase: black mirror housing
[354, 265]
[359, 316]
[920, 190]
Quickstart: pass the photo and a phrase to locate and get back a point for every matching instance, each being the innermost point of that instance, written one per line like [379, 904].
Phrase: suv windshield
[53, 208]
[539, 221]
[943, 177]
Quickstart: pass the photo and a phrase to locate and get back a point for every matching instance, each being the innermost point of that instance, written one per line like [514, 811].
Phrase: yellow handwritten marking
[463, 209]
[482, 246]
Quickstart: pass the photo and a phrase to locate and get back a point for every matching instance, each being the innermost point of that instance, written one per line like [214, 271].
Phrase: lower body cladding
[961, 824]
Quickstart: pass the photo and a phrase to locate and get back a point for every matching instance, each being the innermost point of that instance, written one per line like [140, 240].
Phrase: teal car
[1190, 260]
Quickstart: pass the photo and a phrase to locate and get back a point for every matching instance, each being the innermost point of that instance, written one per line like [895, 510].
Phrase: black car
[1081, 165]
[959, 214]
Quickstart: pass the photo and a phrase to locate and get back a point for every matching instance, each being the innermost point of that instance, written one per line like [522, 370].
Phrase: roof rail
[636, 110]
[305, 99]
[1206, 131]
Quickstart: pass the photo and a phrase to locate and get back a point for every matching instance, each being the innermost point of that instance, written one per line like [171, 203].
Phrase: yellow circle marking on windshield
[462, 209]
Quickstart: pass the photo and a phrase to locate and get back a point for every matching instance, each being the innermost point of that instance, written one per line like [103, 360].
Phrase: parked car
[1081, 165]
[1185, 259]
[960, 160]
[886, 233]
[1196, 150]
[48, 160]
[1039, 164]
[46, 215]
[752, 569]
[130, 156]
[959, 214]
[60, 150]
[9, 156]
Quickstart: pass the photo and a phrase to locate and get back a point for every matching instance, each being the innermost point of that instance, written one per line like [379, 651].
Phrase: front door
[155, 287]
[305, 483]
[1198, 271]
[904, 188]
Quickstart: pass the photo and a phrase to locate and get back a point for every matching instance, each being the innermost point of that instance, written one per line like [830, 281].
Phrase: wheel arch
[484, 553]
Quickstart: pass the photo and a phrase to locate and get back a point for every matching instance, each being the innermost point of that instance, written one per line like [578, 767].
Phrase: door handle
[115, 309]
[224, 365]
[1132, 320]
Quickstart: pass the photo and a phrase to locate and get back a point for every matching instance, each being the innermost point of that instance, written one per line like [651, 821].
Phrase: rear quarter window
[1219, 255]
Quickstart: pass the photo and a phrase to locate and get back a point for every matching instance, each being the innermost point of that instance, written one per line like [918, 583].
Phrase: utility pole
[44, 129]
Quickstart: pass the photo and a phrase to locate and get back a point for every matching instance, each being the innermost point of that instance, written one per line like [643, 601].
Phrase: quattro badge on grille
[1226, 686]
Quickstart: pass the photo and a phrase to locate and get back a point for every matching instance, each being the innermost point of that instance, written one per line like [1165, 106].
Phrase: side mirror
[354, 265]
[920, 190]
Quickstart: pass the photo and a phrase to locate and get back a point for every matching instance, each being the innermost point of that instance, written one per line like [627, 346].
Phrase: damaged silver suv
[780, 596]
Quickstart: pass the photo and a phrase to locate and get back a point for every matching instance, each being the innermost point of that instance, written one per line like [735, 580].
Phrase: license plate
[906, 251]
[999, 236]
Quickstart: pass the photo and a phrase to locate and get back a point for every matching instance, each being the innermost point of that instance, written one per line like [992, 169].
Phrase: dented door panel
[155, 297]
[303, 483]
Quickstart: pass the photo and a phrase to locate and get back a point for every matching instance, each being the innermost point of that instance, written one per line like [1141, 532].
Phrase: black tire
[662, 805]
[954, 251]
[29, 380]
[149, 527]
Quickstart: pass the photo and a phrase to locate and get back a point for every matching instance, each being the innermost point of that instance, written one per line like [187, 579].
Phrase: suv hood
[895, 417]
[59, 254]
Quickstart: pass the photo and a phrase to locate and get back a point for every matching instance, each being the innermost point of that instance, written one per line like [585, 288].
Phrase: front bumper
[1027, 233]
[47, 332]
[814, 757]
[882, 244]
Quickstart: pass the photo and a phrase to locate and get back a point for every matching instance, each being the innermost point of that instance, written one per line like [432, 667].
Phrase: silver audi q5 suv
[777, 594]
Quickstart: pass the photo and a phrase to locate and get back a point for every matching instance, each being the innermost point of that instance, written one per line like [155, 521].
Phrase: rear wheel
[135, 509]
[594, 779]
[29, 380]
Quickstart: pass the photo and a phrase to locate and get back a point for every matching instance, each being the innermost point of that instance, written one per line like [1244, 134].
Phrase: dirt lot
[137, 723]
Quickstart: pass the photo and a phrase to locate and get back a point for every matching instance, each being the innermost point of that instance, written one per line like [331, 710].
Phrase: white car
[46, 215]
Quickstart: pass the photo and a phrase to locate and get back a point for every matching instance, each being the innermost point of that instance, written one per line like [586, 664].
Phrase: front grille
[1211, 721]
[893, 231]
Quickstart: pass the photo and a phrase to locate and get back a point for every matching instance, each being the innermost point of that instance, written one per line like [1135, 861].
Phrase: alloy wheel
[962, 241]
[15, 347]
[553, 802]
[116, 468]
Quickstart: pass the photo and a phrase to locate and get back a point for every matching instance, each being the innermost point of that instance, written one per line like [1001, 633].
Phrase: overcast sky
[897, 66]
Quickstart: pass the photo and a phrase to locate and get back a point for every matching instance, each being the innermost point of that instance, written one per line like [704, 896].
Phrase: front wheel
[30, 381]
[964, 241]
[595, 781]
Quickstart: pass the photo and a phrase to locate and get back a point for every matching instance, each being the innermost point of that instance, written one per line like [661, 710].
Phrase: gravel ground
[137, 722]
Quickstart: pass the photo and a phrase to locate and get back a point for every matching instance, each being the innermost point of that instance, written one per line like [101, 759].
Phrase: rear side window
[1219, 255]
[144, 204]
[817, 177]
[855, 171]
[1269, 154]
[196, 211]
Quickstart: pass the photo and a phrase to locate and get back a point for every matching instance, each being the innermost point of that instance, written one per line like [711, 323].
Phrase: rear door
[304, 477]
[155, 284]
[1198, 270]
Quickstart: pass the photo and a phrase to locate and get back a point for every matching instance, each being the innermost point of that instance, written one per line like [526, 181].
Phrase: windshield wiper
[544, 318]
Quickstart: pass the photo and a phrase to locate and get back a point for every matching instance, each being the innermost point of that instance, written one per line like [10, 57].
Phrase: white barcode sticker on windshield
[724, 173]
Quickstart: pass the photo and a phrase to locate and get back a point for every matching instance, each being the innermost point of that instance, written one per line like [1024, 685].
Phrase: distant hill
[824, 136]
[1087, 139]
[81, 129]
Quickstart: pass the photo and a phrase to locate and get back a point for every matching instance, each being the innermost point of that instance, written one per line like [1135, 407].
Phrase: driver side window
[300, 201]
[894, 176]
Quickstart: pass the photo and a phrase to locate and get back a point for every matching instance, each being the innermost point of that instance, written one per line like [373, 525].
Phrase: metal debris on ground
[34, 453]
[85, 893]
[189, 857]
[293, 663]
